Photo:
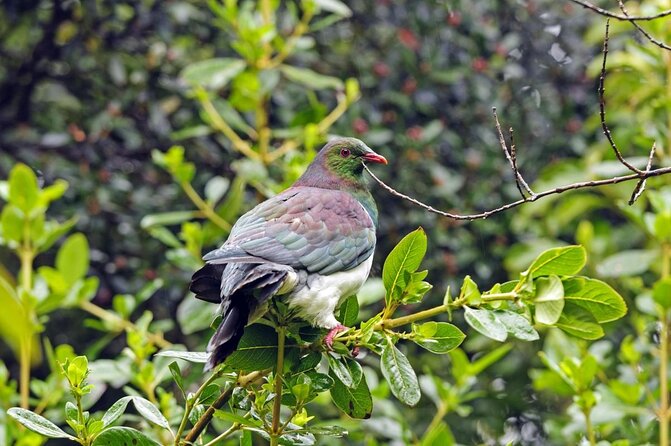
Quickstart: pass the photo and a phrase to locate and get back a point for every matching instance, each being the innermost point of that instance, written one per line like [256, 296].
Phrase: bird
[311, 246]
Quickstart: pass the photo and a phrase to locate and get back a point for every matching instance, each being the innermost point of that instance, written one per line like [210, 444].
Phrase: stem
[663, 413]
[225, 434]
[218, 122]
[205, 419]
[262, 129]
[189, 405]
[664, 383]
[25, 343]
[112, 318]
[205, 208]
[437, 418]
[499, 296]
[590, 430]
[404, 320]
[277, 403]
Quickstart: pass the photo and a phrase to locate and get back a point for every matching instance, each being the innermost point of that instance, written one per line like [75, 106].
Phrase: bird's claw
[330, 336]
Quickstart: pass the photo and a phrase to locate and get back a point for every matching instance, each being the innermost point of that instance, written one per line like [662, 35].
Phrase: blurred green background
[89, 90]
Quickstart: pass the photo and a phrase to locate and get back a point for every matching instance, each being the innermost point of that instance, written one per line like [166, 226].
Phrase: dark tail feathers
[245, 288]
[225, 340]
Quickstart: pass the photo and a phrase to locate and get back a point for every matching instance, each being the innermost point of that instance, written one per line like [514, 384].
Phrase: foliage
[92, 93]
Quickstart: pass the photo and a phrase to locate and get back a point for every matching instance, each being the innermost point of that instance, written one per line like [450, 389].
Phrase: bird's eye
[344, 153]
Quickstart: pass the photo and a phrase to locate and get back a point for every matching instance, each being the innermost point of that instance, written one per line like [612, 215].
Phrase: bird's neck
[355, 185]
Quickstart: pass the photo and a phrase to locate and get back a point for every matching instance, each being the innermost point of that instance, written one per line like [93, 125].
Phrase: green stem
[189, 404]
[663, 413]
[404, 320]
[205, 208]
[437, 418]
[122, 323]
[277, 403]
[590, 429]
[225, 434]
[25, 343]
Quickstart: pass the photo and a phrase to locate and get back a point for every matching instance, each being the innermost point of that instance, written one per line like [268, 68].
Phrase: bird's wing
[322, 231]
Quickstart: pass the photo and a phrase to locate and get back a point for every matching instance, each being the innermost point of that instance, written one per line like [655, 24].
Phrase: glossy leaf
[213, 73]
[437, 337]
[400, 375]
[37, 423]
[597, 297]
[356, 402]
[310, 79]
[72, 260]
[405, 257]
[563, 261]
[549, 300]
[517, 325]
[485, 322]
[123, 436]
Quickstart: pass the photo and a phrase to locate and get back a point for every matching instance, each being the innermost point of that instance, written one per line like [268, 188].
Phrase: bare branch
[537, 196]
[647, 35]
[511, 156]
[602, 107]
[628, 18]
[640, 186]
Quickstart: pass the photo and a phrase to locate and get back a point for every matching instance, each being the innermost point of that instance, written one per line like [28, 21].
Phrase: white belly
[320, 296]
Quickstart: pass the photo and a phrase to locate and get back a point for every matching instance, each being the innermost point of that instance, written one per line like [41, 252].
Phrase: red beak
[374, 158]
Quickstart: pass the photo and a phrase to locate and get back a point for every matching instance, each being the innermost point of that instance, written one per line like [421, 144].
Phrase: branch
[602, 107]
[511, 156]
[647, 35]
[205, 419]
[626, 18]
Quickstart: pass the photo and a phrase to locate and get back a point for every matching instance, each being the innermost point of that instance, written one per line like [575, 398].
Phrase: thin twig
[205, 419]
[606, 13]
[537, 196]
[602, 107]
[511, 156]
[640, 186]
[647, 35]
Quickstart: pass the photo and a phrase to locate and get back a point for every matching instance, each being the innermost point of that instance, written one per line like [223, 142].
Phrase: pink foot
[328, 340]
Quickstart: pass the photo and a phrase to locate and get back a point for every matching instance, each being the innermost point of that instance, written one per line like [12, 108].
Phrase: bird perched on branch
[311, 246]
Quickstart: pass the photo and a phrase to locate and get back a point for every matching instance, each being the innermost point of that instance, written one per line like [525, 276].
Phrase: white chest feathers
[317, 298]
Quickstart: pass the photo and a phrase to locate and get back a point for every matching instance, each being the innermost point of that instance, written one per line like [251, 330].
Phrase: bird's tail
[241, 288]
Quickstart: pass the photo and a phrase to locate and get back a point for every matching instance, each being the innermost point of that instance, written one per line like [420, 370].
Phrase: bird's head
[341, 160]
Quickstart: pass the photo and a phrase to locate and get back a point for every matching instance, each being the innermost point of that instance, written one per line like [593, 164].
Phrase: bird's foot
[328, 340]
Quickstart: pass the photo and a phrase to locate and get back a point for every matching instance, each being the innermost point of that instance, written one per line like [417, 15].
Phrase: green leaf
[334, 6]
[72, 260]
[491, 358]
[177, 375]
[349, 311]
[213, 73]
[257, 349]
[485, 322]
[405, 257]
[232, 417]
[53, 231]
[15, 324]
[194, 315]
[23, 188]
[549, 299]
[563, 261]
[123, 436]
[627, 263]
[580, 323]
[215, 189]
[144, 407]
[597, 297]
[469, 291]
[661, 293]
[310, 79]
[356, 402]
[400, 375]
[53, 192]
[517, 325]
[37, 423]
[167, 218]
[347, 370]
[194, 357]
[437, 337]
[12, 220]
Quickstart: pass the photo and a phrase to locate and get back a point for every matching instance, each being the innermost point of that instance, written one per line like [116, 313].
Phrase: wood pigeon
[311, 246]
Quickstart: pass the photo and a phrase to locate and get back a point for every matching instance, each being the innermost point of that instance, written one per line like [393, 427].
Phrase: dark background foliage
[88, 90]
